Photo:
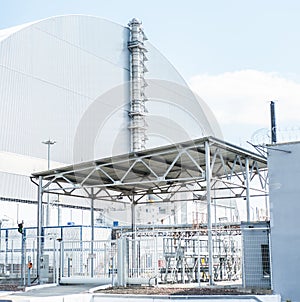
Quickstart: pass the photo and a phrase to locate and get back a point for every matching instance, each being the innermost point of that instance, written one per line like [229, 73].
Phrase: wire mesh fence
[182, 256]
[256, 255]
[240, 257]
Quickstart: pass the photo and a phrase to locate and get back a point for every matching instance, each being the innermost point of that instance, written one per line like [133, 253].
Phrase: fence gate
[87, 259]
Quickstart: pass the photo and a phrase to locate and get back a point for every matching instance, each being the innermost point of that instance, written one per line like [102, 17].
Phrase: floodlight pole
[209, 221]
[48, 143]
[39, 229]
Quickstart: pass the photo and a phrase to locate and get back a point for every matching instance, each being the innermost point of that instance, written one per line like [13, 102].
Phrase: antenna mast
[273, 123]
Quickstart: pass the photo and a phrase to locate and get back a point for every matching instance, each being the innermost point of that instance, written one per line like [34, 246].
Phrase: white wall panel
[284, 174]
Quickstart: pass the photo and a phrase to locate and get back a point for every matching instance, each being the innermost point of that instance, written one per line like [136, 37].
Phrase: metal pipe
[209, 220]
[273, 123]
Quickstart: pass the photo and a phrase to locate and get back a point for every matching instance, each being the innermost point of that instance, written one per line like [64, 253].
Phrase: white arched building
[67, 78]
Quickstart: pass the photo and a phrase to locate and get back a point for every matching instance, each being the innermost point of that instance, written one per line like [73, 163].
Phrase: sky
[237, 55]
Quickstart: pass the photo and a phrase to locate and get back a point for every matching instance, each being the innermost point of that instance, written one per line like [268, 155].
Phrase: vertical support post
[133, 230]
[6, 251]
[123, 261]
[247, 179]
[54, 261]
[58, 211]
[39, 228]
[266, 208]
[92, 232]
[120, 262]
[209, 220]
[198, 262]
[0, 234]
[133, 227]
[23, 259]
[156, 269]
[28, 272]
[48, 195]
[113, 271]
[12, 257]
[61, 260]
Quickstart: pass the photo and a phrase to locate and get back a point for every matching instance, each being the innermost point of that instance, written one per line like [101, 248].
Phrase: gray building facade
[284, 176]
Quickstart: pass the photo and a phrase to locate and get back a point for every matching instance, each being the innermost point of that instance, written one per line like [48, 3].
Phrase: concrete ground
[88, 293]
[44, 291]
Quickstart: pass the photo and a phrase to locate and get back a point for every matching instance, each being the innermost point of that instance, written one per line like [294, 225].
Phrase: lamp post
[49, 142]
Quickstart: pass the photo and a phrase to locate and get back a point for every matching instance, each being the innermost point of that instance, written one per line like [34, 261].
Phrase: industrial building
[67, 79]
[136, 150]
[283, 166]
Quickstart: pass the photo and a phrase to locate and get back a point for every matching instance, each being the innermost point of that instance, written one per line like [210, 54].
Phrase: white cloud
[241, 99]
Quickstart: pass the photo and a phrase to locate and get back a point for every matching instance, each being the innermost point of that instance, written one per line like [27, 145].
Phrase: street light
[49, 142]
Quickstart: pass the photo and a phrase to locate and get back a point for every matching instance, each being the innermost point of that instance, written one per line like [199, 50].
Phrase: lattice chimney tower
[138, 111]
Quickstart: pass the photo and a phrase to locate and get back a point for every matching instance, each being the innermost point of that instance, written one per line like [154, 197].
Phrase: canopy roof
[147, 171]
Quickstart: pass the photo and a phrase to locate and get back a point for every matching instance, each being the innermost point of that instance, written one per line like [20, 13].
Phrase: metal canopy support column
[92, 233]
[209, 220]
[247, 179]
[133, 227]
[133, 230]
[39, 228]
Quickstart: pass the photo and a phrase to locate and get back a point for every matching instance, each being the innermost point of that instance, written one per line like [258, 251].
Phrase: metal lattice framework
[199, 166]
[162, 170]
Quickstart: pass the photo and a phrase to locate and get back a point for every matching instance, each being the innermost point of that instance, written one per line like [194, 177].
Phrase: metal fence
[96, 259]
[240, 257]
[18, 252]
[182, 257]
[18, 262]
